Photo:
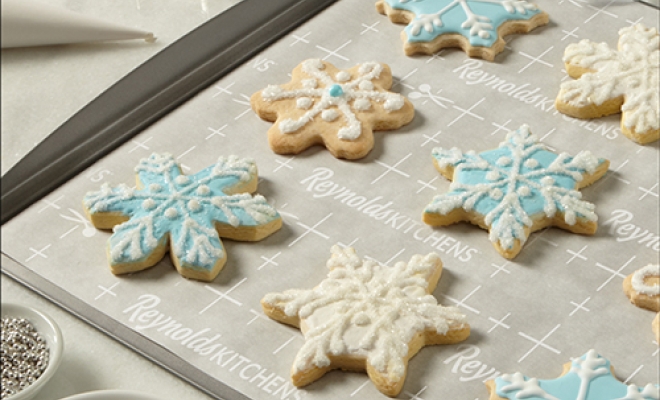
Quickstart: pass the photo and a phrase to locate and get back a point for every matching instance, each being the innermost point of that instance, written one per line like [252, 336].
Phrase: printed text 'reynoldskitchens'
[321, 185]
[144, 316]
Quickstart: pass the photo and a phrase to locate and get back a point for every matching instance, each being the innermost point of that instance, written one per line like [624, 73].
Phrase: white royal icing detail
[361, 104]
[304, 103]
[359, 88]
[342, 76]
[148, 204]
[329, 115]
[492, 175]
[531, 163]
[182, 180]
[504, 161]
[194, 206]
[638, 280]
[528, 388]
[203, 190]
[366, 85]
[366, 309]
[524, 191]
[310, 83]
[171, 213]
[631, 72]
[154, 187]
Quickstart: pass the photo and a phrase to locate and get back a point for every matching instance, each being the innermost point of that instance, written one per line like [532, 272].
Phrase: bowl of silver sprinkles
[32, 347]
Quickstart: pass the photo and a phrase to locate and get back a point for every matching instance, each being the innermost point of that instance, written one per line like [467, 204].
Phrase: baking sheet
[560, 297]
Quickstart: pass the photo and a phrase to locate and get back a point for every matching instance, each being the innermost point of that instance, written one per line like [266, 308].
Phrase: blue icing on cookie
[476, 20]
[590, 378]
[513, 184]
[185, 210]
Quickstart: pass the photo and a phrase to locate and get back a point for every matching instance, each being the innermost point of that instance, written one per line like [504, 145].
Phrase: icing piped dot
[329, 115]
[393, 103]
[182, 180]
[366, 85]
[304, 103]
[524, 191]
[342, 76]
[361, 104]
[154, 187]
[496, 194]
[503, 161]
[203, 190]
[171, 213]
[531, 163]
[148, 204]
[193, 205]
[492, 175]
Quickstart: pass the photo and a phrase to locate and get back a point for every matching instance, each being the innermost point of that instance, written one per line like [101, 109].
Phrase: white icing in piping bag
[27, 23]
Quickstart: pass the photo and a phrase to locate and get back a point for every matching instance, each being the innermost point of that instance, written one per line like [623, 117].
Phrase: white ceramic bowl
[111, 395]
[49, 330]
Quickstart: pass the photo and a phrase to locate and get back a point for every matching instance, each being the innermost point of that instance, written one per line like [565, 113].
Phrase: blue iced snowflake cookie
[186, 215]
[476, 26]
[585, 378]
[516, 189]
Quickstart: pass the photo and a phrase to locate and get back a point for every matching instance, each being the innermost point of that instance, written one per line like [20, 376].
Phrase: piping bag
[27, 23]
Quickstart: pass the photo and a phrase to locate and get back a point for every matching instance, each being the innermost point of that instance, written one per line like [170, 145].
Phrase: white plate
[50, 332]
[111, 395]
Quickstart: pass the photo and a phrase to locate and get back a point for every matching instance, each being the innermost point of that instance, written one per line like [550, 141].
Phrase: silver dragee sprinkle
[24, 355]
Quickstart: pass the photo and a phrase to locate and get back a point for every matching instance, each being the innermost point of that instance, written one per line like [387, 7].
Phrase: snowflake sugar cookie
[476, 26]
[335, 108]
[516, 189]
[643, 289]
[610, 81]
[585, 378]
[365, 316]
[186, 215]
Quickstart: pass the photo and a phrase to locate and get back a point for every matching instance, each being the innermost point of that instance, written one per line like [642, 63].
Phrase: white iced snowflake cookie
[611, 81]
[643, 289]
[367, 317]
[339, 109]
[516, 189]
[183, 214]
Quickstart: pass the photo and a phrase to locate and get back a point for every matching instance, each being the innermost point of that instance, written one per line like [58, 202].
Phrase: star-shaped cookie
[476, 26]
[367, 317]
[611, 81]
[516, 189]
[186, 215]
[585, 378]
[323, 105]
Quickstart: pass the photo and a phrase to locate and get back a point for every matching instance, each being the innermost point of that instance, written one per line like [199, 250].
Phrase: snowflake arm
[609, 81]
[187, 213]
[516, 189]
[367, 314]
